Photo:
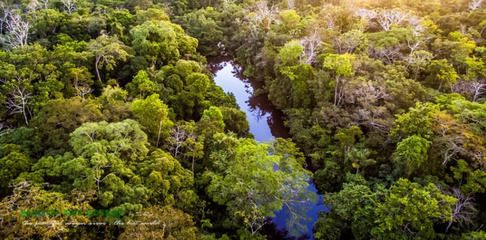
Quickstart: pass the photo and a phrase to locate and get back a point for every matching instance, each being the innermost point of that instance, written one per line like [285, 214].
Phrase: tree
[389, 17]
[153, 115]
[58, 118]
[108, 51]
[203, 24]
[13, 161]
[115, 106]
[211, 121]
[475, 4]
[184, 140]
[141, 86]
[290, 53]
[114, 160]
[341, 66]
[169, 223]
[348, 42]
[355, 196]
[255, 181]
[17, 31]
[410, 210]
[69, 5]
[418, 121]
[161, 42]
[19, 100]
[30, 204]
[411, 154]
[464, 210]
[441, 74]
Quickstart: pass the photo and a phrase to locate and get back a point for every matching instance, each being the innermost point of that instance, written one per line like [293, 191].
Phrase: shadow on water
[266, 122]
[294, 221]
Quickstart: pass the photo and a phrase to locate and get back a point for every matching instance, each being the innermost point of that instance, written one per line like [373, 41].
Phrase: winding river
[266, 123]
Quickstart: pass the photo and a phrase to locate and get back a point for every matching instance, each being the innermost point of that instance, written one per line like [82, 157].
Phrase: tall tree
[107, 51]
[153, 115]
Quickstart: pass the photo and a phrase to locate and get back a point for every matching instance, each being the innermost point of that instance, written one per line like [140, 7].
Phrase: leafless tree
[33, 5]
[479, 90]
[311, 45]
[17, 31]
[263, 11]
[386, 18]
[389, 17]
[388, 54]
[366, 13]
[464, 210]
[18, 101]
[261, 17]
[69, 5]
[177, 138]
[475, 4]
[476, 90]
[416, 24]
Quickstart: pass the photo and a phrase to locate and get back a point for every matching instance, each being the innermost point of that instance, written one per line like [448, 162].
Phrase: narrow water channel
[266, 123]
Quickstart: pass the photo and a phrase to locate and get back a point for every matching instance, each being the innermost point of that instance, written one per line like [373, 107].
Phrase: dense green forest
[111, 126]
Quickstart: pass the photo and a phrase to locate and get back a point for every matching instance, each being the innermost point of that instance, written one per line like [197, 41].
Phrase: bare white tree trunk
[178, 136]
[476, 90]
[388, 18]
[17, 31]
[18, 102]
[475, 4]
[479, 89]
[464, 210]
[69, 5]
[311, 44]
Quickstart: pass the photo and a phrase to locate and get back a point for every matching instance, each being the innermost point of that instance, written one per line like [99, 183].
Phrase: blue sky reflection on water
[265, 125]
[226, 78]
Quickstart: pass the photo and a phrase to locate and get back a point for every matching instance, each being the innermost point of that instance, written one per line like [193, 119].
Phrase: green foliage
[13, 161]
[405, 210]
[141, 85]
[290, 53]
[212, 121]
[160, 42]
[411, 154]
[203, 24]
[372, 92]
[175, 224]
[153, 115]
[411, 210]
[58, 118]
[340, 64]
[107, 52]
[417, 121]
[254, 184]
[441, 74]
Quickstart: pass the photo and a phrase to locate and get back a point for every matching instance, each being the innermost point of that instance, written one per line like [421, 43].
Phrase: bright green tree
[153, 115]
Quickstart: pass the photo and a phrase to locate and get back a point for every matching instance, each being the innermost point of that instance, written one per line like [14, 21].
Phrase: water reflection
[296, 219]
[265, 122]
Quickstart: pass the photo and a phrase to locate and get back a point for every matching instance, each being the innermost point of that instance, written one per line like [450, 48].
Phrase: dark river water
[266, 123]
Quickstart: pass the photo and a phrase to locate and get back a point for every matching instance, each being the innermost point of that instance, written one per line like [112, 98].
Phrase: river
[266, 123]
